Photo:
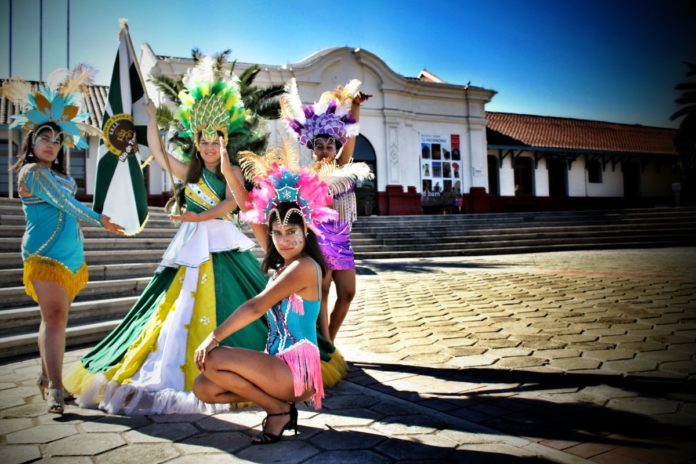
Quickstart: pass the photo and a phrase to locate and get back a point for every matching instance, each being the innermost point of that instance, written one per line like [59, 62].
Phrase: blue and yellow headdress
[210, 103]
[58, 101]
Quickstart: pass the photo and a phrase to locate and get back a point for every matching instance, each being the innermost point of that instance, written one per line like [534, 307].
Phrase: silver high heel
[56, 400]
[42, 384]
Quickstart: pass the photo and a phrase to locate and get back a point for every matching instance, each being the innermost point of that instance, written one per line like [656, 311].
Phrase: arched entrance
[366, 191]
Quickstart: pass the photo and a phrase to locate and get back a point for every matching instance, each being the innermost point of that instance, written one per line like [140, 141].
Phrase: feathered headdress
[329, 116]
[338, 179]
[210, 103]
[58, 101]
[279, 184]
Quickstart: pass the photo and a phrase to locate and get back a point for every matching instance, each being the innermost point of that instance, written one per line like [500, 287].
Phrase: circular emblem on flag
[119, 135]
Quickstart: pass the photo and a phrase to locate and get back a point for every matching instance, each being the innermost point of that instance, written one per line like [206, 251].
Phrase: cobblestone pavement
[557, 357]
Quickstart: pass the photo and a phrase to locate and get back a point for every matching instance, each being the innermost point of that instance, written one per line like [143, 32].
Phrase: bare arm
[154, 142]
[235, 184]
[299, 278]
[225, 206]
[349, 147]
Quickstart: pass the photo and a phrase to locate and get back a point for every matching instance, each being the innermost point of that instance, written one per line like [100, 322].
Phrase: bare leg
[206, 390]
[345, 292]
[324, 311]
[53, 304]
[254, 376]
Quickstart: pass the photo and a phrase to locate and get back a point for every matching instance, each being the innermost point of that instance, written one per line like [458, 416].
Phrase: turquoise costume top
[52, 213]
[292, 336]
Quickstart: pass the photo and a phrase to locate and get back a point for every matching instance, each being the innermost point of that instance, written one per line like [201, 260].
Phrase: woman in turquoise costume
[145, 365]
[52, 249]
[289, 204]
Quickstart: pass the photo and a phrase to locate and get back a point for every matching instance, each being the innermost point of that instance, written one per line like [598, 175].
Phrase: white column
[393, 167]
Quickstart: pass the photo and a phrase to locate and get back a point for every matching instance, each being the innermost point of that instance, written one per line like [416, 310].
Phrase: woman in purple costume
[329, 128]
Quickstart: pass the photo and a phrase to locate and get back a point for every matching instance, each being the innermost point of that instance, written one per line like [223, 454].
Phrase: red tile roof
[580, 134]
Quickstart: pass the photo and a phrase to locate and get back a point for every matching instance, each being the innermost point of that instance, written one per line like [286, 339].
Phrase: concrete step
[529, 215]
[434, 234]
[531, 241]
[15, 207]
[13, 219]
[14, 260]
[463, 221]
[76, 335]
[14, 297]
[97, 272]
[14, 321]
[95, 232]
[444, 252]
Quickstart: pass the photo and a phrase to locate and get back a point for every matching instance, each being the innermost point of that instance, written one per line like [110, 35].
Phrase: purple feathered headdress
[329, 116]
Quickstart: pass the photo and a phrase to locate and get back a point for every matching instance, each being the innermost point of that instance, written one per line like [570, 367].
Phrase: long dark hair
[273, 259]
[26, 154]
[193, 175]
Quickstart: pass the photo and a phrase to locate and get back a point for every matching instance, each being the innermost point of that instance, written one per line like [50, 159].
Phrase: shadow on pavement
[321, 445]
[513, 407]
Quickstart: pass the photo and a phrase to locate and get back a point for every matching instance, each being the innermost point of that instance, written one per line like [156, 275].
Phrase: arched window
[366, 191]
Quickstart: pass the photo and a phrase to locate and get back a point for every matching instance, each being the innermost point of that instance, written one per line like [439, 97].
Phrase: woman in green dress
[145, 365]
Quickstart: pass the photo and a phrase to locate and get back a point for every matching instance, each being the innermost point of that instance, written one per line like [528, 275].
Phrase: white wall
[611, 185]
[576, 179]
[541, 179]
[91, 165]
[507, 178]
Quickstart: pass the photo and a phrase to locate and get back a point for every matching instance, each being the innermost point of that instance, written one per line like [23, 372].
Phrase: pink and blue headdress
[280, 184]
[329, 116]
[58, 102]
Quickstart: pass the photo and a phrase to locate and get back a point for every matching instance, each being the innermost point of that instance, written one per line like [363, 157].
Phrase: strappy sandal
[265, 438]
[42, 384]
[56, 400]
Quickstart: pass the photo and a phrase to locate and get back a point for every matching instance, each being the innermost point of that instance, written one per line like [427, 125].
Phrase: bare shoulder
[303, 268]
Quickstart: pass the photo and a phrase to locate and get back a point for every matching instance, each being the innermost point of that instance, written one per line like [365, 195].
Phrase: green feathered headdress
[210, 103]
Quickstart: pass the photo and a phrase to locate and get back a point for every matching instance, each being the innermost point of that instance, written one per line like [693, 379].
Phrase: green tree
[262, 102]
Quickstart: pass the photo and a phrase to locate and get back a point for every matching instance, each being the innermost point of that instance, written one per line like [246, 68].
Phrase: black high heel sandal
[265, 438]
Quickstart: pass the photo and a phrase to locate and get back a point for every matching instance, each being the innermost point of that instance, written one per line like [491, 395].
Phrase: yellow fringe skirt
[46, 269]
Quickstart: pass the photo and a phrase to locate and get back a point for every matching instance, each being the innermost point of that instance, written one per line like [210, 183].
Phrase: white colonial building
[430, 142]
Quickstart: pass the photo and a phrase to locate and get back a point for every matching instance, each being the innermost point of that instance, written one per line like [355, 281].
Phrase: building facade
[430, 143]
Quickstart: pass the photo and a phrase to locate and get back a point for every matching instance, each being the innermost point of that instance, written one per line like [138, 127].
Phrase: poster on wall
[440, 164]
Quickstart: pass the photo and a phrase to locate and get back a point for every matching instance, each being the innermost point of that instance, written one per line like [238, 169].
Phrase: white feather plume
[341, 178]
[290, 102]
[16, 91]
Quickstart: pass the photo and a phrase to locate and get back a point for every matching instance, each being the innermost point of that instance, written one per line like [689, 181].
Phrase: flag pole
[124, 25]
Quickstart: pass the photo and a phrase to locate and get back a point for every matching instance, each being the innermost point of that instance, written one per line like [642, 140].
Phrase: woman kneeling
[290, 368]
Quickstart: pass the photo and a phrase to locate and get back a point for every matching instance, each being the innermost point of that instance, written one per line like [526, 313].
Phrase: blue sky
[612, 60]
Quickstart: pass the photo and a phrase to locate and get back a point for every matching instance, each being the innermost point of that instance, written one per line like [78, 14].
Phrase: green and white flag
[120, 190]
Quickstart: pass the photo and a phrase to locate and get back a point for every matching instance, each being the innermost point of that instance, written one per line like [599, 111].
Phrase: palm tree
[261, 102]
[685, 137]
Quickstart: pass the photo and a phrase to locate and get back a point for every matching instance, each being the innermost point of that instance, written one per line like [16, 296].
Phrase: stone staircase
[380, 237]
[120, 267]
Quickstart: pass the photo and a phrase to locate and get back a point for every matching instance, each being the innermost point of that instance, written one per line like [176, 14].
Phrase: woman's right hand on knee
[209, 344]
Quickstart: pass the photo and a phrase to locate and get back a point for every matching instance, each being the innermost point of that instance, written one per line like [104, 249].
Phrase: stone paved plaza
[557, 357]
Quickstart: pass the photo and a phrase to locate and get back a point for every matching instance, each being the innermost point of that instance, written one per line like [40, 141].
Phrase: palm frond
[196, 55]
[165, 116]
[169, 86]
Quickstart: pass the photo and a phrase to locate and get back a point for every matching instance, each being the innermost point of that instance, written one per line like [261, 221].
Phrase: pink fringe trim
[296, 305]
[305, 364]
